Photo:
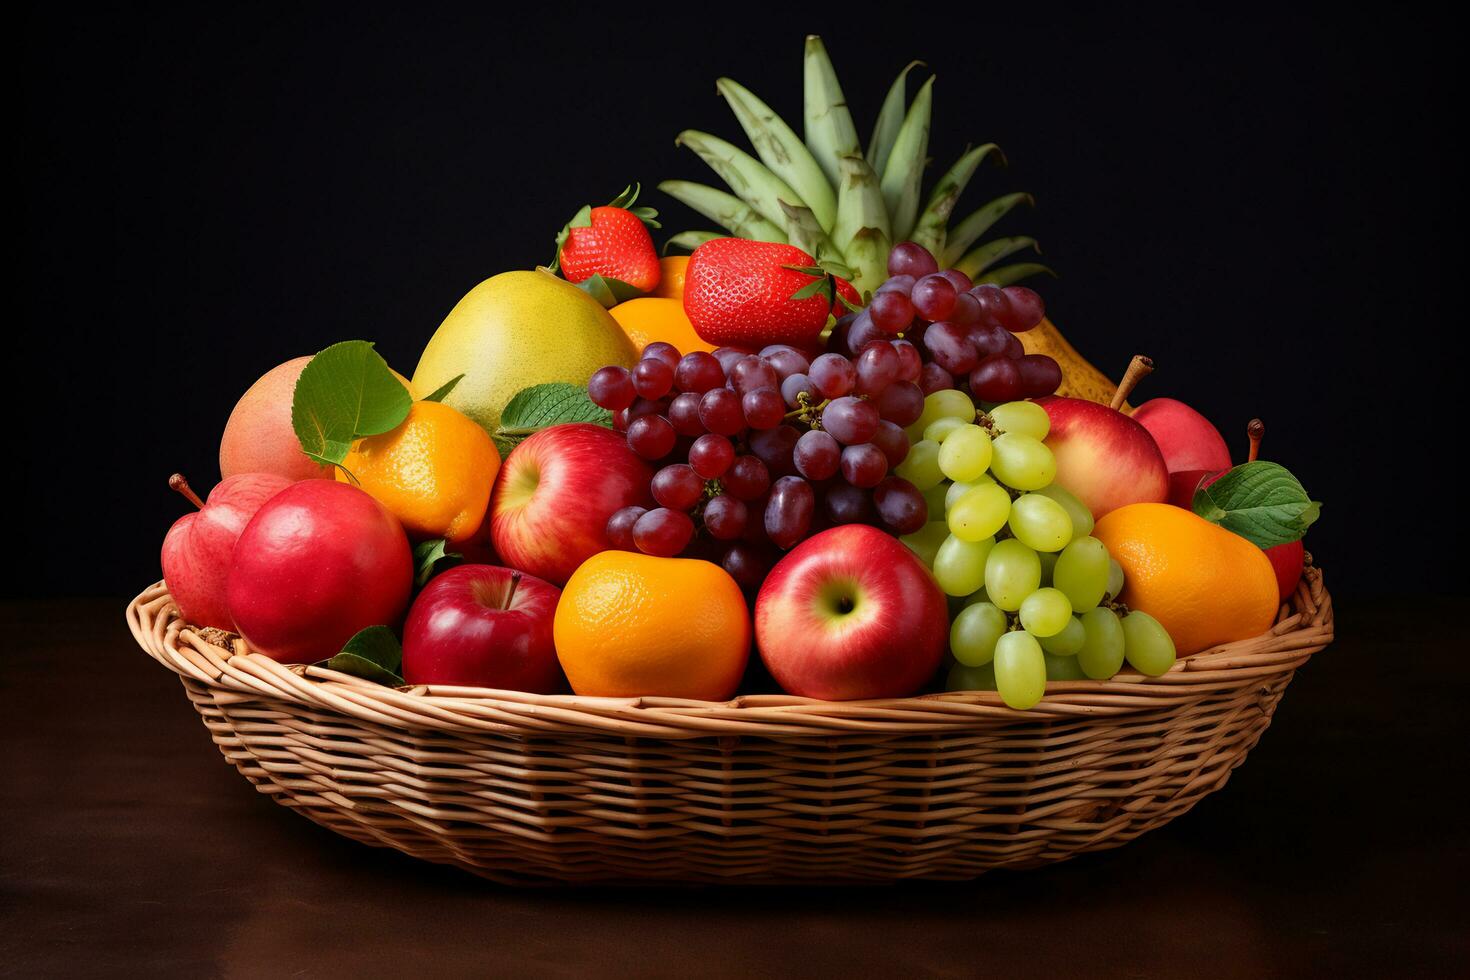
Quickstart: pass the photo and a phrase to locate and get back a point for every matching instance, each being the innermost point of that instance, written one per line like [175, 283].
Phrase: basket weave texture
[523, 787]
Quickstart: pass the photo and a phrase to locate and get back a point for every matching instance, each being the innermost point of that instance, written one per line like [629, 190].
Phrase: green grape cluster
[1033, 593]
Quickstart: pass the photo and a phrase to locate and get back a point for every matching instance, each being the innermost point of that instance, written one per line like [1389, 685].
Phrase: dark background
[1260, 200]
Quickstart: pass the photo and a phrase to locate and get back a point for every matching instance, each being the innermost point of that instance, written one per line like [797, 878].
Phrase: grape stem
[181, 485]
[1139, 368]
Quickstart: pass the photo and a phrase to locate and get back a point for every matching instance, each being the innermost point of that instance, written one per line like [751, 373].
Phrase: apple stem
[177, 482]
[515, 581]
[1255, 432]
[1138, 369]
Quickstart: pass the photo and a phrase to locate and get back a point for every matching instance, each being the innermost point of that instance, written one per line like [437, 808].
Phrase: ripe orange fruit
[1204, 584]
[434, 472]
[650, 318]
[631, 625]
[671, 277]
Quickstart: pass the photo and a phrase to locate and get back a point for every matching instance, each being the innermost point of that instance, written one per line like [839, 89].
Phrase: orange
[649, 318]
[671, 276]
[1204, 584]
[631, 625]
[434, 472]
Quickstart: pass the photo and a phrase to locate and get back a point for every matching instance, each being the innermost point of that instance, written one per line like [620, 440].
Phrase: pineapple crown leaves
[583, 219]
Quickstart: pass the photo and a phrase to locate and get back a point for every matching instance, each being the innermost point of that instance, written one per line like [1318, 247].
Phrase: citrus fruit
[434, 472]
[671, 277]
[513, 331]
[632, 625]
[1204, 584]
[650, 318]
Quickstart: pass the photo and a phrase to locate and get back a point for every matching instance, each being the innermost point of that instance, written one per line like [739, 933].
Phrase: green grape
[1048, 561]
[1020, 670]
[1027, 418]
[1022, 462]
[921, 466]
[959, 565]
[976, 597]
[965, 454]
[1081, 517]
[975, 630]
[1045, 612]
[1012, 572]
[936, 498]
[1082, 572]
[949, 403]
[959, 488]
[937, 430]
[963, 678]
[980, 513]
[1067, 642]
[1040, 522]
[1147, 645]
[1101, 655]
[926, 541]
[1115, 578]
[1062, 668]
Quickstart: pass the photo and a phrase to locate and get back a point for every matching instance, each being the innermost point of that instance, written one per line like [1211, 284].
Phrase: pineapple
[842, 205]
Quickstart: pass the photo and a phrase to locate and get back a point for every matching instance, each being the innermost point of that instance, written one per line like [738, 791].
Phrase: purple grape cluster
[758, 451]
[965, 334]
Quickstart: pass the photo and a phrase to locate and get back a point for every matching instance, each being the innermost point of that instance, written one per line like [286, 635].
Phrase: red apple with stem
[317, 563]
[1187, 440]
[555, 493]
[484, 626]
[197, 549]
[850, 613]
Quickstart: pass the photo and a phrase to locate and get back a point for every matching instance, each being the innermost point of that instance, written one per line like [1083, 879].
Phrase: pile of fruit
[847, 457]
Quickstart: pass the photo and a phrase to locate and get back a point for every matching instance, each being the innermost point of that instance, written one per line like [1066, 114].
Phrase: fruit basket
[532, 788]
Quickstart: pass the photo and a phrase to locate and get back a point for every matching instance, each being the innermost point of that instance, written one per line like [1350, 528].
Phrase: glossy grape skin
[663, 532]
[662, 351]
[1101, 655]
[1045, 612]
[1012, 572]
[902, 402]
[833, 375]
[1060, 667]
[647, 406]
[850, 420]
[921, 466]
[611, 388]
[994, 306]
[863, 465]
[1040, 522]
[900, 505]
[698, 372]
[933, 297]
[651, 436]
[939, 429]
[652, 378]
[720, 412]
[1048, 561]
[793, 386]
[1027, 418]
[683, 414]
[1067, 642]
[774, 447]
[1022, 462]
[896, 284]
[1020, 670]
[926, 540]
[966, 310]
[1146, 644]
[747, 565]
[1115, 578]
[965, 453]
[747, 478]
[894, 442]
[711, 455]
[847, 504]
[1024, 309]
[934, 378]
[877, 368]
[751, 373]
[763, 408]
[997, 378]
[959, 565]
[958, 489]
[947, 403]
[910, 362]
[862, 333]
[725, 517]
[975, 631]
[789, 510]
[1081, 517]
[1040, 374]
[817, 455]
[990, 338]
[980, 512]
[949, 344]
[677, 487]
[911, 259]
[786, 361]
[727, 356]
[1082, 571]
[620, 527]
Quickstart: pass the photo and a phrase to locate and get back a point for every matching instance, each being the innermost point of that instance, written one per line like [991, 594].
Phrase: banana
[1079, 378]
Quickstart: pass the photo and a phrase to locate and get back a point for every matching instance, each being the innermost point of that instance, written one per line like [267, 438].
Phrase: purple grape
[725, 516]
[863, 332]
[816, 455]
[864, 465]
[901, 402]
[1040, 374]
[711, 455]
[789, 511]
[961, 282]
[750, 373]
[747, 565]
[949, 344]
[611, 388]
[833, 375]
[652, 378]
[910, 361]
[837, 339]
[1014, 347]
[900, 505]
[897, 284]
[719, 411]
[620, 420]
[1024, 309]
[994, 307]
[651, 436]
[764, 408]
[747, 478]
[891, 312]
[850, 420]
[794, 385]
[966, 310]
[660, 351]
[698, 372]
[847, 504]
[684, 414]
[997, 379]
[677, 486]
[934, 378]
[774, 447]
[786, 362]
[727, 356]
[663, 532]
[877, 367]
[933, 297]
[989, 338]
[646, 406]
[911, 259]
[620, 527]
[894, 442]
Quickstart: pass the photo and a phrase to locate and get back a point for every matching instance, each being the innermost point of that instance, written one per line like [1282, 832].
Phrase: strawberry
[611, 242]
[748, 294]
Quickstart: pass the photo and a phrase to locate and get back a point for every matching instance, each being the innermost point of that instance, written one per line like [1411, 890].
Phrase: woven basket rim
[1304, 626]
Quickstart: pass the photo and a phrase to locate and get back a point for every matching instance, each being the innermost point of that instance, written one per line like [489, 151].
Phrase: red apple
[484, 626]
[555, 493]
[1183, 484]
[1187, 440]
[1104, 457]
[850, 613]
[317, 563]
[197, 549]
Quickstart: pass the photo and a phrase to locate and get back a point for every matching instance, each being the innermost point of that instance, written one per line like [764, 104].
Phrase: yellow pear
[515, 330]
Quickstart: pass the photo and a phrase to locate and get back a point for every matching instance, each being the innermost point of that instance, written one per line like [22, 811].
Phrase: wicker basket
[522, 787]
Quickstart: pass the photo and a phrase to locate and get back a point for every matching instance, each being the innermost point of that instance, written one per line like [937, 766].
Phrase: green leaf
[442, 392]
[982, 257]
[822, 286]
[1260, 501]
[968, 232]
[691, 239]
[430, 558]
[723, 209]
[346, 393]
[1008, 274]
[542, 406]
[374, 654]
[608, 291]
[890, 118]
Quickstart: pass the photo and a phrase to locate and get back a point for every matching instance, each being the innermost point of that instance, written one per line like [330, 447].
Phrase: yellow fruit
[1079, 378]
[671, 277]
[1204, 584]
[631, 625]
[647, 319]
[515, 330]
[434, 472]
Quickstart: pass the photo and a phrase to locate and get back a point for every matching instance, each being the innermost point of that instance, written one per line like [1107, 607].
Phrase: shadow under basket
[530, 788]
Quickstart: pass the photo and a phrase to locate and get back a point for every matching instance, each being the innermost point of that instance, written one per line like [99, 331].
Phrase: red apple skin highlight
[850, 613]
[317, 563]
[1186, 439]
[197, 549]
[461, 631]
[1104, 457]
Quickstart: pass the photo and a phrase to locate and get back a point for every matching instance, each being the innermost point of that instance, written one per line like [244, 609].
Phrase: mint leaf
[374, 654]
[608, 291]
[442, 392]
[1260, 501]
[542, 406]
[345, 393]
[430, 558]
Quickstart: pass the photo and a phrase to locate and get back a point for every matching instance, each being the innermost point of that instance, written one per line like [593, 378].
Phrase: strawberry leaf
[817, 287]
[345, 393]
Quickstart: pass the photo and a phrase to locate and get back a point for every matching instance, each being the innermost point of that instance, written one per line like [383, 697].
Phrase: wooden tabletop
[131, 848]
